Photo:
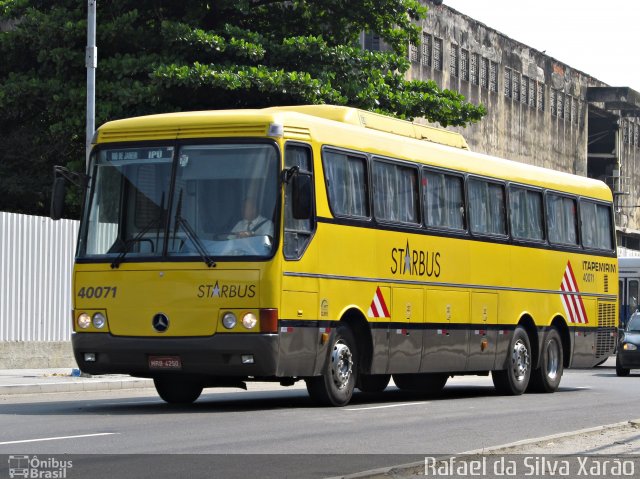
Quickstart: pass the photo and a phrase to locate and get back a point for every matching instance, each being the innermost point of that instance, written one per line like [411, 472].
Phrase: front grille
[606, 334]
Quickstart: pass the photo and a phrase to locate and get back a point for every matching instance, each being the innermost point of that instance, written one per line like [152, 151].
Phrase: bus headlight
[629, 347]
[249, 320]
[229, 320]
[84, 321]
[99, 320]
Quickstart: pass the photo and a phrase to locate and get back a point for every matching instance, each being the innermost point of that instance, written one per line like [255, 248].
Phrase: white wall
[36, 264]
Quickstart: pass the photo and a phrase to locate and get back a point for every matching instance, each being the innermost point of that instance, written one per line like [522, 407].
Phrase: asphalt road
[279, 432]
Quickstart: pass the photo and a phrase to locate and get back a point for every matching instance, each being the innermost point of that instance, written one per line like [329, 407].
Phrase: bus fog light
[90, 357]
[229, 320]
[84, 321]
[99, 320]
[247, 359]
[249, 320]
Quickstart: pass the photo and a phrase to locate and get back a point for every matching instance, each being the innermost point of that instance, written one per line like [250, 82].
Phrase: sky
[597, 37]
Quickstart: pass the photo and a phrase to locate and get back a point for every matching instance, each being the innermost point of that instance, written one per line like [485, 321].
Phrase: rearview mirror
[301, 196]
[57, 197]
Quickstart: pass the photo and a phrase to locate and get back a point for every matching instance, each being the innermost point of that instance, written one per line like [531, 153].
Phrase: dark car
[628, 356]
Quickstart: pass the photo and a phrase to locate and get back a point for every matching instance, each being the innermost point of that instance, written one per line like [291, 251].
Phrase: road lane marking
[385, 406]
[58, 438]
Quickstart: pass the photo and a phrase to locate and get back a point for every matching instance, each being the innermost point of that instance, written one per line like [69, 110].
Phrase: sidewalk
[34, 381]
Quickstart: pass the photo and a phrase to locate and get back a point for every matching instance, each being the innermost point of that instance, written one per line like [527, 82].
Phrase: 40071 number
[98, 292]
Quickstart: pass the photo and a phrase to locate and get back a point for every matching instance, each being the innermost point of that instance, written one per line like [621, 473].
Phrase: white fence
[36, 264]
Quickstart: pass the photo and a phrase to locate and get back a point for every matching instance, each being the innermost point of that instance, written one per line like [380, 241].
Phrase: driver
[252, 223]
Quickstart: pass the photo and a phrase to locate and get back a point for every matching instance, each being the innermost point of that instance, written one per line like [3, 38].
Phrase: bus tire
[334, 387]
[620, 371]
[546, 378]
[514, 380]
[373, 383]
[177, 390]
[426, 383]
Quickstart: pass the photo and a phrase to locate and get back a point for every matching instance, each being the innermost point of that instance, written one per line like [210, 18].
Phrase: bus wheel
[335, 386]
[546, 378]
[427, 383]
[177, 390]
[514, 380]
[620, 371]
[373, 383]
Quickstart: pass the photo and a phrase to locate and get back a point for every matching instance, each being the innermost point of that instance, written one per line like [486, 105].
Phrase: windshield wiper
[128, 243]
[193, 236]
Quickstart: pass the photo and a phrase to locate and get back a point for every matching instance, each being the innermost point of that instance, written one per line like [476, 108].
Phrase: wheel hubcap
[341, 364]
[520, 360]
[553, 360]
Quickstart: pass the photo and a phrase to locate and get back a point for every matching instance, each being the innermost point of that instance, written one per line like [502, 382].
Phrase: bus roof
[348, 128]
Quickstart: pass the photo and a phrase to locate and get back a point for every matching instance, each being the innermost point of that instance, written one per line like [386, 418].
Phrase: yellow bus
[335, 246]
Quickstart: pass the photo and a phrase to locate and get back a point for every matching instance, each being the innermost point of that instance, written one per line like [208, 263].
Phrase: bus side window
[297, 233]
[633, 296]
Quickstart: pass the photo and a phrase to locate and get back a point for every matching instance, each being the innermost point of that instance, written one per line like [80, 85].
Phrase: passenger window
[443, 197]
[346, 177]
[561, 219]
[395, 192]
[297, 233]
[486, 207]
[595, 220]
[525, 207]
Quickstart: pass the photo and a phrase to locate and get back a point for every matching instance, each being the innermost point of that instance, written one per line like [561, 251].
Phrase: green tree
[162, 55]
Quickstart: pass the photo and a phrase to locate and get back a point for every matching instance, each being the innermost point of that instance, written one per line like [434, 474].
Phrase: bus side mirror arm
[60, 177]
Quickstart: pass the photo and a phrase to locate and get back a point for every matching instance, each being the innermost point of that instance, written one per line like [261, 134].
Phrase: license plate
[165, 362]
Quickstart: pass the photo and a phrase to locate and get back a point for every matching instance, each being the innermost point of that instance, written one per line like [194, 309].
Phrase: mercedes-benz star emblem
[160, 322]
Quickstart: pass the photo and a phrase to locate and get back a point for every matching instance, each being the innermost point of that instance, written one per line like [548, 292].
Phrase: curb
[106, 384]
[417, 468]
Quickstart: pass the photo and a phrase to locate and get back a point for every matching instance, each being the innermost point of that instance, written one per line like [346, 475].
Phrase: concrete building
[540, 110]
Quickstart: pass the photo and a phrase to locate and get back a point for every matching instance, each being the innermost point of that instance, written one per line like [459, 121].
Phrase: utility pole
[92, 64]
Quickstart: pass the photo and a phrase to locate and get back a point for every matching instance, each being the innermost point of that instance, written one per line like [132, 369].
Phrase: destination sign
[129, 154]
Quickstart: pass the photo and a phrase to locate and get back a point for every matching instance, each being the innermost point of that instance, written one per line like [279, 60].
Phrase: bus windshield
[193, 201]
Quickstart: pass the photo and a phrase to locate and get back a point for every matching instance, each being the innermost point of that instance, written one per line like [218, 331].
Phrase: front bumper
[629, 359]
[217, 355]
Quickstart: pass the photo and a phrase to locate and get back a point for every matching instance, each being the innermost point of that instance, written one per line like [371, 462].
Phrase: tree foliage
[162, 55]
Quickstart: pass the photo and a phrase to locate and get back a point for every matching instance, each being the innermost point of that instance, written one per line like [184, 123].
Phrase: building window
[625, 132]
[493, 76]
[473, 69]
[372, 42]
[437, 54]
[464, 64]
[507, 82]
[427, 44]
[532, 93]
[413, 53]
[453, 61]
[516, 86]
[574, 110]
[560, 106]
[635, 134]
[524, 89]
[484, 72]
[554, 102]
[540, 96]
